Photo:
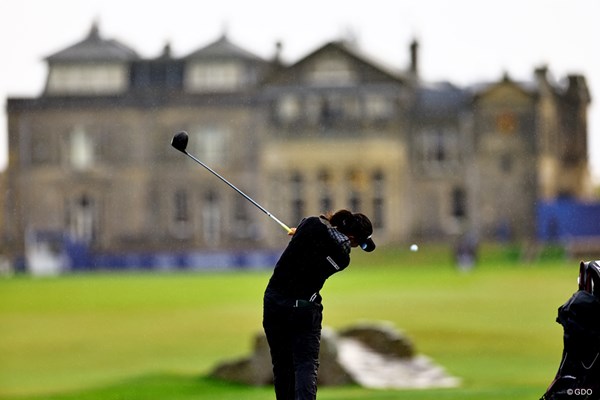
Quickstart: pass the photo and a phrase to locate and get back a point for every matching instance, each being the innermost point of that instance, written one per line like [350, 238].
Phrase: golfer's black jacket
[315, 252]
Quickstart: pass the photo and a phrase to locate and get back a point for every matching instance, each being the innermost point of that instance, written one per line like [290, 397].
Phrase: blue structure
[55, 252]
[565, 220]
[193, 260]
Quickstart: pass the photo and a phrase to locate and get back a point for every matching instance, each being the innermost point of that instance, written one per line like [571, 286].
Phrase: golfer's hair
[346, 222]
[340, 218]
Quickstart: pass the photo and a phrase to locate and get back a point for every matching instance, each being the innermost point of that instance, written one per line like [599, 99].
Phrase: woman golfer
[292, 316]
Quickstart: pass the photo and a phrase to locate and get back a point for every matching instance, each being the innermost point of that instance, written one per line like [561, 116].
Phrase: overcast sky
[461, 41]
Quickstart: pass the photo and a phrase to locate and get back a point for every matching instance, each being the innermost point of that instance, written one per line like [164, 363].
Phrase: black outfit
[292, 305]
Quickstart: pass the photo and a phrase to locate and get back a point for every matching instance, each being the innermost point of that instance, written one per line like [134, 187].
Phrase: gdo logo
[580, 392]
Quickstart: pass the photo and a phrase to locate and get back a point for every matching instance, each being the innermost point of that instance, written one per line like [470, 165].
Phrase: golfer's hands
[292, 231]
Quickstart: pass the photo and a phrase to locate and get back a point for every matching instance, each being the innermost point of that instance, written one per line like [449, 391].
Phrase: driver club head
[180, 141]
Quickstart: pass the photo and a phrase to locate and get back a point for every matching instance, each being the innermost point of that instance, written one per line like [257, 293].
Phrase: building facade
[90, 157]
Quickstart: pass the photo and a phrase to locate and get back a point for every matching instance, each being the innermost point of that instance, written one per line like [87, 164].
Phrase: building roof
[479, 89]
[440, 98]
[94, 48]
[223, 49]
[370, 71]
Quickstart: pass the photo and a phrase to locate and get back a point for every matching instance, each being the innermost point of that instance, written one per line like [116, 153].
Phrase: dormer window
[87, 79]
[93, 66]
[215, 76]
[331, 72]
[221, 66]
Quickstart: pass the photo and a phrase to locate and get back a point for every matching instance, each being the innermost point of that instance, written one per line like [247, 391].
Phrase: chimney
[278, 50]
[166, 53]
[541, 73]
[577, 88]
[414, 58]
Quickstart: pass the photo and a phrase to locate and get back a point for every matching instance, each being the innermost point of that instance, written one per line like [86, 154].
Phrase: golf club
[180, 141]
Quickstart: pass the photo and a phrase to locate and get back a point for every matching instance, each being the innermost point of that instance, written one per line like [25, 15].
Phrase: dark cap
[368, 245]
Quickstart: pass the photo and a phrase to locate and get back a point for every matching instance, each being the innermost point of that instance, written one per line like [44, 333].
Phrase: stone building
[90, 157]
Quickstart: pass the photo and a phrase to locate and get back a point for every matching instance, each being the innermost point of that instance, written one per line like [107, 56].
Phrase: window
[41, 150]
[181, 222]
[331, 72]
[324, 182]
[211, 219]
[357, 183]
[333, 109]
[312, 108]
[459, 203]
[209, 145]
[215, 76]
[242, 225]
[351, 106]
[181, 207]
[438, 149]
[354, 201]
[358, 179]
[87, 79]
[378, 200]
[378, 107]
[81, 219]
[297, 192]
[82, 155]
[288, 108]
[328, 112]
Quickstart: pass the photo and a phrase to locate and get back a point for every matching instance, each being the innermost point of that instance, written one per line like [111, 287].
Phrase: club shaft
[261, 208]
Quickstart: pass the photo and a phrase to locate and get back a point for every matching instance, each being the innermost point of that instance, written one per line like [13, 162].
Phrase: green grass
[156, 336]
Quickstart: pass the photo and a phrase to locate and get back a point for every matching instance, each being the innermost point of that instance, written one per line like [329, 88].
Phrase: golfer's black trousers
[293, 330]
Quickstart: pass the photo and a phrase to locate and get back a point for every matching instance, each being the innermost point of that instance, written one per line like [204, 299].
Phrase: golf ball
[414, 247]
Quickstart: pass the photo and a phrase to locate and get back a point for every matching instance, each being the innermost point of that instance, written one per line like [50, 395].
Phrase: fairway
[156, 336]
